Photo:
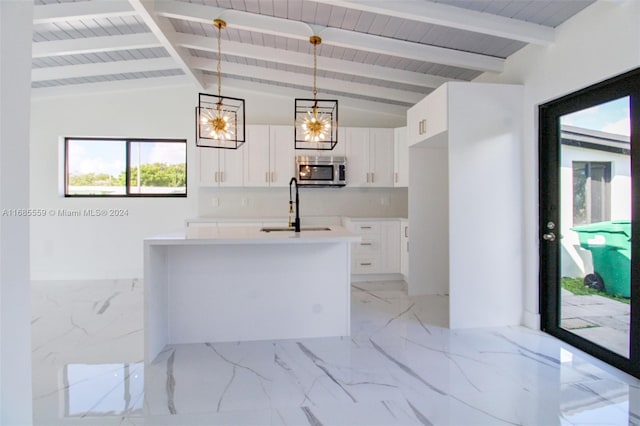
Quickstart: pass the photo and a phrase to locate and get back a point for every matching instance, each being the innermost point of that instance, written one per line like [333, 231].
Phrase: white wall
[600, 42]
[429, 237]
[485, 226]
[102, 247]
[274, 202]
[16, 19]
[98, 247]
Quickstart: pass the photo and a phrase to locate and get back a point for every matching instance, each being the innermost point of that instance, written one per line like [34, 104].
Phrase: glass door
[588, 279]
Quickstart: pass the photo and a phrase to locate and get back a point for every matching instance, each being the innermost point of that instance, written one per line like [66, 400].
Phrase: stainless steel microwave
[321, 171]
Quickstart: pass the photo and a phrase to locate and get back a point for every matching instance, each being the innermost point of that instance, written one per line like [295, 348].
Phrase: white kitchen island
[216, 284]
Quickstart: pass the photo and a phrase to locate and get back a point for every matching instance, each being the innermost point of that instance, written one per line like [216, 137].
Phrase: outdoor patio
[602, 320]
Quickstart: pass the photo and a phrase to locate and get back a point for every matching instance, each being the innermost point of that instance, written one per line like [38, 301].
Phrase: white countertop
[206, 235]
[373, 219]
[306, 220]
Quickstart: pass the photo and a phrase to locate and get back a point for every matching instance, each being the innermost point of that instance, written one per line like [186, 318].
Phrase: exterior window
[125, 167]
[591, 192]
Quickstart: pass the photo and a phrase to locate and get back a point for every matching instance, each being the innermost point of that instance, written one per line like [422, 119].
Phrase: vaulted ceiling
[374, 53]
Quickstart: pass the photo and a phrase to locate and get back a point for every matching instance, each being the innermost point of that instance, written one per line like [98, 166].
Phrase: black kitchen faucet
[296, 223]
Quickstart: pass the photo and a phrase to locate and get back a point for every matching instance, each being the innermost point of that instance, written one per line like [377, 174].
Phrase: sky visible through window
[610, 117]
[108, 156]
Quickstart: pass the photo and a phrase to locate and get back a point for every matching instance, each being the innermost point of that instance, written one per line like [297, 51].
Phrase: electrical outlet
[245, 202]
[215, 202]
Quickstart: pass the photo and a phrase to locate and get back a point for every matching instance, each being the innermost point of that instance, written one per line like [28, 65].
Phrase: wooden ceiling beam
[453, 17]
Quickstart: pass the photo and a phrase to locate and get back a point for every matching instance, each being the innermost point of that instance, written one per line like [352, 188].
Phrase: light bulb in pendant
[217, 123]
[315, 127]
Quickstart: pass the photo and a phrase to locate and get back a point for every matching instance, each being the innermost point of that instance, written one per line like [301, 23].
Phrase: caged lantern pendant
[316, 120]
[219, 119]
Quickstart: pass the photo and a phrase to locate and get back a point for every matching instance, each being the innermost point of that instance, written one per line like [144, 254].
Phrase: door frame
[549, 146]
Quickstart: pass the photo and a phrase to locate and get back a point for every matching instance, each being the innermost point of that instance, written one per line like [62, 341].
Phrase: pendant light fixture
[316, 120]
[219, 119]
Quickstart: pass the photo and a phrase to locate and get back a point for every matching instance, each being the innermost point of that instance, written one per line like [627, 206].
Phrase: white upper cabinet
[358, 173]
[221, 167]
[400, 158]
[370, 157]
[208, 166]
[376, 157]
[269, 157]
[382, 158]
[256, 161]
[339, 150]
[281, 156]
[428, 117]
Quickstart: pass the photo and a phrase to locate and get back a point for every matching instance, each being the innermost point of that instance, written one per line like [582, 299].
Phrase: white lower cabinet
[379, 250]
[404, 248]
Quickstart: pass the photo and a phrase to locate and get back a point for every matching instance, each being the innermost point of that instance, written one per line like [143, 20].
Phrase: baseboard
[531, 320]
[358, 278]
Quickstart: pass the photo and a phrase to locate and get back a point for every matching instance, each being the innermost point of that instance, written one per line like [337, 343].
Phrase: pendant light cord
[315, 71]
[219, 61]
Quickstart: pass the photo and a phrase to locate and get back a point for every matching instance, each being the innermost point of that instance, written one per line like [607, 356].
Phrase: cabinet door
[256, 158]
[381, 157]
[231, 166]
[429, 116]
[340, 149]
[281, 156]
[400, 158]
[415, 123]
[436, 112]
[404, 248]
[358, 167]
[391, 246]
[209, 170]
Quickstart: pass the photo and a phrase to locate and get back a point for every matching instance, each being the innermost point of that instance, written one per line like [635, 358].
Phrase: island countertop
[234, 284]
[206, 235]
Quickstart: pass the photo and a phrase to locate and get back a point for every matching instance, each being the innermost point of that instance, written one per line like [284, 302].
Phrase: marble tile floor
[400, 366]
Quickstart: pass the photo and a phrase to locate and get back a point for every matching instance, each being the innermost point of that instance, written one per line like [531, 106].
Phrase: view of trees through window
[99, 167]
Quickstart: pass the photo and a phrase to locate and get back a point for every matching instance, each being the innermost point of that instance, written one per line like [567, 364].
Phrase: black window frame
[128, 193]
[605, 183]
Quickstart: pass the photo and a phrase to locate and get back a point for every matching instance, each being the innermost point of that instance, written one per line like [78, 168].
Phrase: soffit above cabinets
[374, 52]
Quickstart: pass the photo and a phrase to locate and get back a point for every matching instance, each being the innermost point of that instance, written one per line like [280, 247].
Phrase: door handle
[549, 236]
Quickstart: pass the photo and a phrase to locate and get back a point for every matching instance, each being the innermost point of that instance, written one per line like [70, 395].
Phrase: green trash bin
[610, 246]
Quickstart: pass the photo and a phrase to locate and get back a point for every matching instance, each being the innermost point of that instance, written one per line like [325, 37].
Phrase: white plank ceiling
[374, 53]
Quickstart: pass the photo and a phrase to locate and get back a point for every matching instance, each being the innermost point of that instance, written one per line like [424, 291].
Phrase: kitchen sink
[286, 228]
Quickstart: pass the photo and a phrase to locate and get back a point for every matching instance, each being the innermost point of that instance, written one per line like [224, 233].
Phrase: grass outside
[577, 287]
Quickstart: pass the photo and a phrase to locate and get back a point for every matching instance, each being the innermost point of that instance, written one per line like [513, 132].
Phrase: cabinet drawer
[368, 245]
[365, 265]
[365, 228]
